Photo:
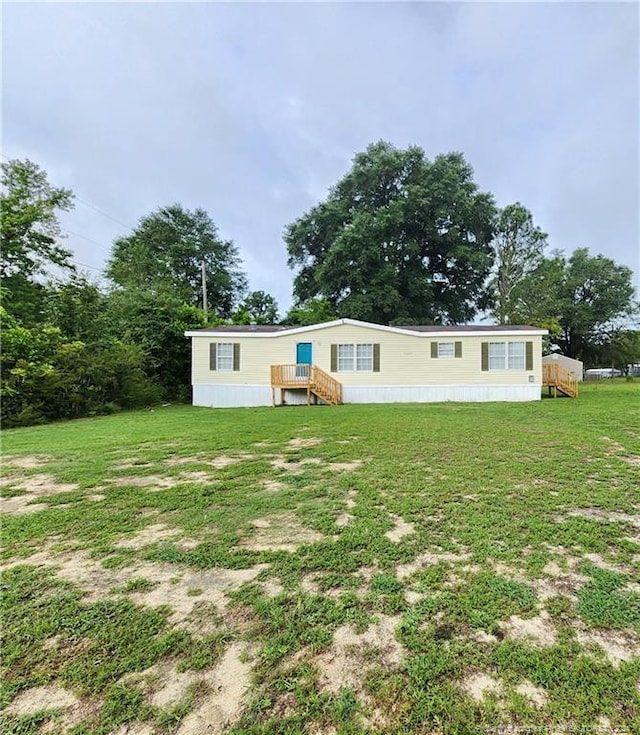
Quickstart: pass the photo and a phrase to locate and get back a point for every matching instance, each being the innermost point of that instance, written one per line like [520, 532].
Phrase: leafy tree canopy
[313, 311]
[29, 207]
[164, 254]
[399, 238]
[590, 297]
[518, 246]
[257, 308]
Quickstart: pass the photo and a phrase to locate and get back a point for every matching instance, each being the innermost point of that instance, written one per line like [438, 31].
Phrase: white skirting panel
[230, 396]
[439, 393]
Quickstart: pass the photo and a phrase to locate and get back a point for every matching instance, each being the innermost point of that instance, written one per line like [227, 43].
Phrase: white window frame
[507, 356]
[516, 356]
[446, 350]
[364, 358]
[224, 357]
[354, 358]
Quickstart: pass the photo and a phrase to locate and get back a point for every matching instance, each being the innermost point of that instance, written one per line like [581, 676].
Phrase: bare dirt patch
[151, 481]
[172, 583]
[344, 519]
[35, 486]
[295, 466]
[342, 665]
[345, 466]
[477, 686]
[27, 462]
[538, 631]
[351, 499]
[400, 530]
[228, 682]
[599, 514]
[617, 646]
[52, 697]
[534, 694]
[273, 486]
[218, 462]
[148, 535]
[300, 443]
[280, 532]
[428, 559]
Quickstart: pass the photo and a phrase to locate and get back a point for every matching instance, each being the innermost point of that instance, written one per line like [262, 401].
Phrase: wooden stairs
[560, 380]
[311, 378]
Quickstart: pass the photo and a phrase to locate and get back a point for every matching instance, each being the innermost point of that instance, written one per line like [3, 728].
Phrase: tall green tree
[165, 253]
[398, 238]
[257, 308]
[78, 307]
[30, 235]
[156, 323]
[518, 247]
[590, 297]
[313, 311]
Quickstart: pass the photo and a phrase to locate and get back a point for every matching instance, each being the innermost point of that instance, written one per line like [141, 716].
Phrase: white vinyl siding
[402, 360]
[358, 358]
[506, 356]
[224, 356]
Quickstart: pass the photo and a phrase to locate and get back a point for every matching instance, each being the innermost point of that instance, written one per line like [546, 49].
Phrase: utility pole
[204, 290]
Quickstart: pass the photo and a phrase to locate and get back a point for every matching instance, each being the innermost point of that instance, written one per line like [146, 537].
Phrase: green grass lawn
[438, 568]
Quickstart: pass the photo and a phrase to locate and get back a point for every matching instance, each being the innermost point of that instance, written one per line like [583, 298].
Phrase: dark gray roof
[270, 328]
[264, 328]
[465, 327]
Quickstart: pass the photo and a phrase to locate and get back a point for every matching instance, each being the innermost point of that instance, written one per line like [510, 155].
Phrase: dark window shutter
[236, 356]
[485, 355]
[529, 356]
[458, 349]
[376, 358]
[434, 349]
[212, 356]
[334, 358]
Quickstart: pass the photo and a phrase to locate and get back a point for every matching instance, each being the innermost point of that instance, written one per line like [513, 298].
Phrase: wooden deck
[305, 377]
[560, 380]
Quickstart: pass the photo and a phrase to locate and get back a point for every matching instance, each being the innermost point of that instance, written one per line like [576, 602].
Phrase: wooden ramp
[560, 380]
[305, 377]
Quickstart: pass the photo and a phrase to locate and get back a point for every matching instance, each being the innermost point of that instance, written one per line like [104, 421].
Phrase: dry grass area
[324, 570]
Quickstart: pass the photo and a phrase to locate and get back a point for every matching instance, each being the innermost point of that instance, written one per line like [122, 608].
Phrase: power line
[104, 214]
[86, 265]
[91, 206]
[88, 239]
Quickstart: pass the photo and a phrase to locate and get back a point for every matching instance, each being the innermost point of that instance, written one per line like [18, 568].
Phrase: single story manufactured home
[575, 367]
[350, 361]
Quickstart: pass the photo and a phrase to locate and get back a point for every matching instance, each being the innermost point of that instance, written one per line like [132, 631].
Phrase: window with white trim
[515, 354]
[224, 356]
[446, 349]
[358, 358]
[506, 355]
[364, 358]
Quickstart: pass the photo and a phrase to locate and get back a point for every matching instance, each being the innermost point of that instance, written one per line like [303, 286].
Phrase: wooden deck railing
[557, 377]
[311, 377]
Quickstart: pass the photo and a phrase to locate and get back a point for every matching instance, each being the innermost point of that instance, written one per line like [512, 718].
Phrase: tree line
[399, 239]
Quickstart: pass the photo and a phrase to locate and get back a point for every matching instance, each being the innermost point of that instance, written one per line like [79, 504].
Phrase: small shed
[568, 363]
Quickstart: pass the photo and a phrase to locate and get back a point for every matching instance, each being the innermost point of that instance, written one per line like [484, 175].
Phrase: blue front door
[303, 358]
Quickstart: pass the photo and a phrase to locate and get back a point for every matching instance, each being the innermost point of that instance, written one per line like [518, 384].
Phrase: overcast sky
[251, 111]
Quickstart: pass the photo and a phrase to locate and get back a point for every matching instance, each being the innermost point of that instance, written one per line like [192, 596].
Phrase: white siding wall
[405, 360]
